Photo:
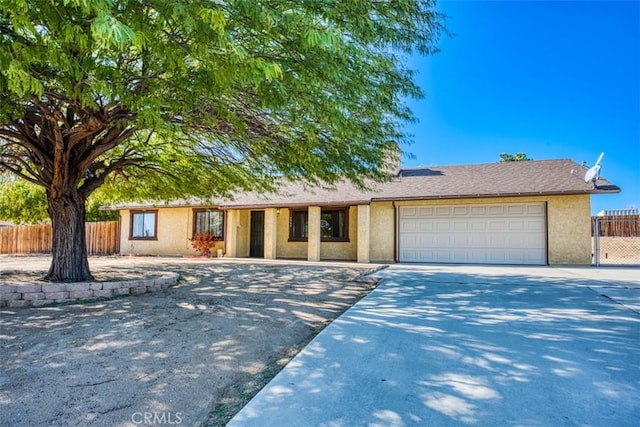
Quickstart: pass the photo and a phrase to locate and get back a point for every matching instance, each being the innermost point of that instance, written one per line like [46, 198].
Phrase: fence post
[596, 242]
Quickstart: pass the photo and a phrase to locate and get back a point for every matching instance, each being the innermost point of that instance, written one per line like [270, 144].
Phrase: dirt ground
[191, 355]
[619, 250]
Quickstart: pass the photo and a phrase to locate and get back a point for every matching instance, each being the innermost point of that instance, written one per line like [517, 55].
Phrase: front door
[256, 247]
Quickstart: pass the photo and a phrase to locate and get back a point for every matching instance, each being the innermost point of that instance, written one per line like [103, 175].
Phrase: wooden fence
[616, 226]
[102, 238]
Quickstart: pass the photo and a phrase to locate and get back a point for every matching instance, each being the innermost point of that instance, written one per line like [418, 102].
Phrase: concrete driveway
[465, 345]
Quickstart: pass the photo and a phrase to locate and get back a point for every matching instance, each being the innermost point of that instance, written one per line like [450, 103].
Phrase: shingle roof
[541, 177]
[444, 182]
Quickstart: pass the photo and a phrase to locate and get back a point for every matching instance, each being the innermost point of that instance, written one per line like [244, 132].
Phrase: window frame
[293, 238]
[133, 213]
[345, 209]
[346, 224]
[195, 222]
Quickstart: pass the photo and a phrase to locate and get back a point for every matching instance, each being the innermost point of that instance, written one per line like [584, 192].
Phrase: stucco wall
[343, 250]
[174, 228]
[285, 248]
[382, 235]
[328, 250]
[569, 230]
[244, 228]
[568, 225]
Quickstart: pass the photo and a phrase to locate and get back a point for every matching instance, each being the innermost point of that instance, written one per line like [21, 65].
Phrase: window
[143, 225]
[299, 225]
[334, 225]
[209, 221]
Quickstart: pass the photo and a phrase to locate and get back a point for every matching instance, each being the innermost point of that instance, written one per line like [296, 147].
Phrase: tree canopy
[518, 157]
[165, 99]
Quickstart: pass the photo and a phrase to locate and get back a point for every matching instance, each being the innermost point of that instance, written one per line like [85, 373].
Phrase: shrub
[203, 242]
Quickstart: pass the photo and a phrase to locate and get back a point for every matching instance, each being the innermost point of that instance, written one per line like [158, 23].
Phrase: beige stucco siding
[285, 248]
[244, 229]
[237, 232]
[343, 250]
[568, 223]
[569, 230]
[174, 228]
[382, 237]
[328, 250]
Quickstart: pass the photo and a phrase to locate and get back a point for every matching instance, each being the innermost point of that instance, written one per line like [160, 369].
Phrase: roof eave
[157, 206]
[295, 205]
[490, 195]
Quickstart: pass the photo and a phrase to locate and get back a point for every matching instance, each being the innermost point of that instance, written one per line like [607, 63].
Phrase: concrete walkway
[464, 345]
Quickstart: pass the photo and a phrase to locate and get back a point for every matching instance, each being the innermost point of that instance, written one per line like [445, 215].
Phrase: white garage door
[476, 234]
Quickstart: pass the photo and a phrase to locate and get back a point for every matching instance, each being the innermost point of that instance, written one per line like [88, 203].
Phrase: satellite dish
[593, 174]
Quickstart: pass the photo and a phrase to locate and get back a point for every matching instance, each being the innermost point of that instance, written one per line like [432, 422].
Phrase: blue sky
[557, 79]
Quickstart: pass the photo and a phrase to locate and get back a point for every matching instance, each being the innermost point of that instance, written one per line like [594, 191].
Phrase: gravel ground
[190, 355]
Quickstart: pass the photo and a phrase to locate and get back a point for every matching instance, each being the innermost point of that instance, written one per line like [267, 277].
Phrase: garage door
[477, 234]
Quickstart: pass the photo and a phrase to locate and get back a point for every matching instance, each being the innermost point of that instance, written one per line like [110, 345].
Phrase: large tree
[171, 98]
[518, 157]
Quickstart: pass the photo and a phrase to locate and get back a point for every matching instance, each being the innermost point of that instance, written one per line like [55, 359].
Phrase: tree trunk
[70, 262]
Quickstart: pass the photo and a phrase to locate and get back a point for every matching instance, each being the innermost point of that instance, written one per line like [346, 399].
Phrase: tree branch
[16, 170]
[22, 138]
[94, 182]
[111, 140]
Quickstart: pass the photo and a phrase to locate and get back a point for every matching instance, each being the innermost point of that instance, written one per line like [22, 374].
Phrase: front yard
[194, 353]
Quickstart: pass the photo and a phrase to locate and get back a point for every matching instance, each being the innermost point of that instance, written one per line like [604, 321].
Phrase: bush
[203, 242]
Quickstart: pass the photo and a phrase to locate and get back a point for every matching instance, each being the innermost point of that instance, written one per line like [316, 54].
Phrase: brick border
[37, 295]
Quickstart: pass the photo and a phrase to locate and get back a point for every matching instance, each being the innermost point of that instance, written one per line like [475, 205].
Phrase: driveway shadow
[446, 348]
[166, 356]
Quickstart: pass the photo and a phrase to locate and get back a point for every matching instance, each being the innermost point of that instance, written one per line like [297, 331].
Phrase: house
[530, 212]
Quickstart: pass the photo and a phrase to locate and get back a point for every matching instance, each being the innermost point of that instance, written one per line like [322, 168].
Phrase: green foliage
[518, 157]
[22, 202]
[97, 199]
[164, 99]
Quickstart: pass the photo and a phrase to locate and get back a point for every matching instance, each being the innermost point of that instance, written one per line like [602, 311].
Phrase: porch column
[313, 239]
[364, 235]
[231, 236]
[270, 233]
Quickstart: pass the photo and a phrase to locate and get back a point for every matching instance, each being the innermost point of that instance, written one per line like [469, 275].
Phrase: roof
[525, 178]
